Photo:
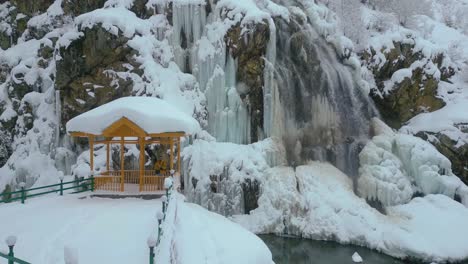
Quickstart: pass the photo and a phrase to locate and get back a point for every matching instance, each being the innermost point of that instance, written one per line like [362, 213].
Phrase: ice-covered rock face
[225, 177]
[395, 167]
[310, 94]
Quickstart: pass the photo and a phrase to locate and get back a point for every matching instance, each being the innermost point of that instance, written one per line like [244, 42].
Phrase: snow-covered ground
[195, 235]
[99, 230]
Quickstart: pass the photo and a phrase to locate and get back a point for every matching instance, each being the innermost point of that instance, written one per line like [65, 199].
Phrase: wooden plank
[167, 134]
[81, 134]
[142, 162]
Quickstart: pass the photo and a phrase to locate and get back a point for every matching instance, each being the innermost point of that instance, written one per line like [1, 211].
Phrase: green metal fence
[11, 241]
[161, 216]
[80, 185]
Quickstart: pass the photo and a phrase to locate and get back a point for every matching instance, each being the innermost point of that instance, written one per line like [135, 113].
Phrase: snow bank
[317, 201]
[151, 114]
[191, 234]
[394, 167]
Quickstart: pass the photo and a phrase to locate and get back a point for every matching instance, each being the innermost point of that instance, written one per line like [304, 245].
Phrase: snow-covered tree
[349, 13]
[404, 10]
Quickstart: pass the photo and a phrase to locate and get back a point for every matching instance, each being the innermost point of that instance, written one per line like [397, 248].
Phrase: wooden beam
[142, 162]
[122, 164]
[81, 134]
[167, 134]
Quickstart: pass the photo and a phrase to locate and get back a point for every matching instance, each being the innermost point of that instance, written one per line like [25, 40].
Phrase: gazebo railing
[112, 180]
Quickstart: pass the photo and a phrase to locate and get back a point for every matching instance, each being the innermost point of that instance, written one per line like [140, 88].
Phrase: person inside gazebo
[160, 166]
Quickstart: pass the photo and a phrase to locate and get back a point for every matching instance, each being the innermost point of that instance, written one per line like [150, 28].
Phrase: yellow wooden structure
[123, 132]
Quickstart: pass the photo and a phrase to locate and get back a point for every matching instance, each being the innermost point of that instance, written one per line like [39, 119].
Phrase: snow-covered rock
[317, 201]
[395, 167]
[356, 258]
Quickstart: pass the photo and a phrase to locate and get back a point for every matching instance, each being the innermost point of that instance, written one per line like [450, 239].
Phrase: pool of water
[287, 250]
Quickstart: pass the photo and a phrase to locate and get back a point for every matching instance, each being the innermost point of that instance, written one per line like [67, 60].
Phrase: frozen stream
[302, 251]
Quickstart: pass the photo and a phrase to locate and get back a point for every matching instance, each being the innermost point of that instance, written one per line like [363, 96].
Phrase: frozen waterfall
[312, 101]
[215, 70]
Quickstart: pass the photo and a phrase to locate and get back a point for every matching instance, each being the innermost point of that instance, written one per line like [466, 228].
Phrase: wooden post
[171, 166]
[142, 161]
[178, 155]
[108, 156]
[91, 153]
[122, 158]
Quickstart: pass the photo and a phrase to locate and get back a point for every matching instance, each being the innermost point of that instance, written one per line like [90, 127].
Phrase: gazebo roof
[149, 114]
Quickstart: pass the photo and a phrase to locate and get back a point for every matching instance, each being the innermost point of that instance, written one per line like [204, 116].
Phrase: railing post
[151, 244]
[92, 182]
[11, 241]
[164, 203]
[61, 185]
[23, 193]
[160, 215]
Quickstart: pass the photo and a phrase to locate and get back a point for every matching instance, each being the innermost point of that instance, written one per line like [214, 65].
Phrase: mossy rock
[457, 154]
[409, 98]
[32, 7]
[250, 67]
[83, 72]
[413, 95]
[78, 7]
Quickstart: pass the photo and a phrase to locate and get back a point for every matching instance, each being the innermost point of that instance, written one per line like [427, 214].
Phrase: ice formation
[216, 171]
[317, 201]
[395, 167]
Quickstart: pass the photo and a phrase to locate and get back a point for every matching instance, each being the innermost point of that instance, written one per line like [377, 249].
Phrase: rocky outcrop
[411, 96]
[17, 24]
[32, 8]
[87, 73]
[78, 7]
[455, 152]
[249, 49]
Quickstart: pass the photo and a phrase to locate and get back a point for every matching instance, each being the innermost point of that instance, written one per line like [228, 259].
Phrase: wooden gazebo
[134, 120]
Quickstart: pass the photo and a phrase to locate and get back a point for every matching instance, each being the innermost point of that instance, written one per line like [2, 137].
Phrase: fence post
[160, 215]
[164, 203]
[11, 241]
[151, 244]
[92, 182]
[23, 194]
[61, 185]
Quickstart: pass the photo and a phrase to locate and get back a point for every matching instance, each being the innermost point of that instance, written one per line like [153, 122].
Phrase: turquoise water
[301, 251]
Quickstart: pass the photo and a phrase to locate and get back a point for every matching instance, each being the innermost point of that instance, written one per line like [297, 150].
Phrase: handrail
[81, 183]
[10, 256]
[161, 216]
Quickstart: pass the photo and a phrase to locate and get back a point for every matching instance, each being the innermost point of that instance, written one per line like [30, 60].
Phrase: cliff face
[245, 72]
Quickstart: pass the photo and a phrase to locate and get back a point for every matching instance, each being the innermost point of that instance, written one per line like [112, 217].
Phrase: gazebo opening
[143, 122]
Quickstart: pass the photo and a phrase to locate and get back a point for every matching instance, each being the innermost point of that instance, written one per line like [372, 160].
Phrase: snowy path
[100, 230]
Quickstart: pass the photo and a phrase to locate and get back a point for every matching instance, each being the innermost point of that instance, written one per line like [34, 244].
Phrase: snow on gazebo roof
[151, 114]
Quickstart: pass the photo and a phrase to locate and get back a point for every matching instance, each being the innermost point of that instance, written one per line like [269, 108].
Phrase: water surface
[287, 250]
